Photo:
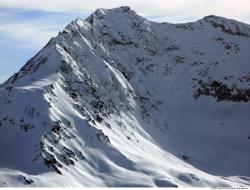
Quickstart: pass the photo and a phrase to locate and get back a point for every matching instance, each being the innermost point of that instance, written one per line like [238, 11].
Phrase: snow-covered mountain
[118, 100]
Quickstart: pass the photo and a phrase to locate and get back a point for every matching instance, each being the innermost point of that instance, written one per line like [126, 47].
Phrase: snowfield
[117, 100]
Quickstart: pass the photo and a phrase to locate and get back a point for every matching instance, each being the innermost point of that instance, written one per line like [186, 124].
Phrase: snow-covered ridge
[118, 100]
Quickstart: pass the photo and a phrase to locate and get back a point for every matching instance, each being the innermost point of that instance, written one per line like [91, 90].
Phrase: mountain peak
[161, 104]
[228, 26]
[115, 12]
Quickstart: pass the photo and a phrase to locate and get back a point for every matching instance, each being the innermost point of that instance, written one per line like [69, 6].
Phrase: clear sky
[27, 25]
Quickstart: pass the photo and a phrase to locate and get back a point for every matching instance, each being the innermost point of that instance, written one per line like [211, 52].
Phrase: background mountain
[118, 100]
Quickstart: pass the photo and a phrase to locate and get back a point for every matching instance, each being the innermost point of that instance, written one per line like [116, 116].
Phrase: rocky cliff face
[118, 100]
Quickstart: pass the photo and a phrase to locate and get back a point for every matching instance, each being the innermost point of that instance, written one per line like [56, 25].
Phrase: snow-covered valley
[118, 100]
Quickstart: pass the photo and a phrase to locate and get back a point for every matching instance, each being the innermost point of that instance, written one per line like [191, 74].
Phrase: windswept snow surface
[118, 100]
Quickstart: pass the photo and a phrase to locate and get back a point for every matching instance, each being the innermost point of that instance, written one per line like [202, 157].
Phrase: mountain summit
[118, 100]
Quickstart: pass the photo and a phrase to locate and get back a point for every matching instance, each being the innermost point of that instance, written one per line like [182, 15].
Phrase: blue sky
[27, 25]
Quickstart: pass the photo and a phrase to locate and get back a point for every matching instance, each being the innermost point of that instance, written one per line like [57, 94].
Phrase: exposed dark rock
[222, 92]
[25, 180]
[26, 127]
[98, 119]
[52, 162]
[102, 136]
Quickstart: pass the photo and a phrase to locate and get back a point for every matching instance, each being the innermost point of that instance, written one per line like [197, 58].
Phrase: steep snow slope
[117, 100]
